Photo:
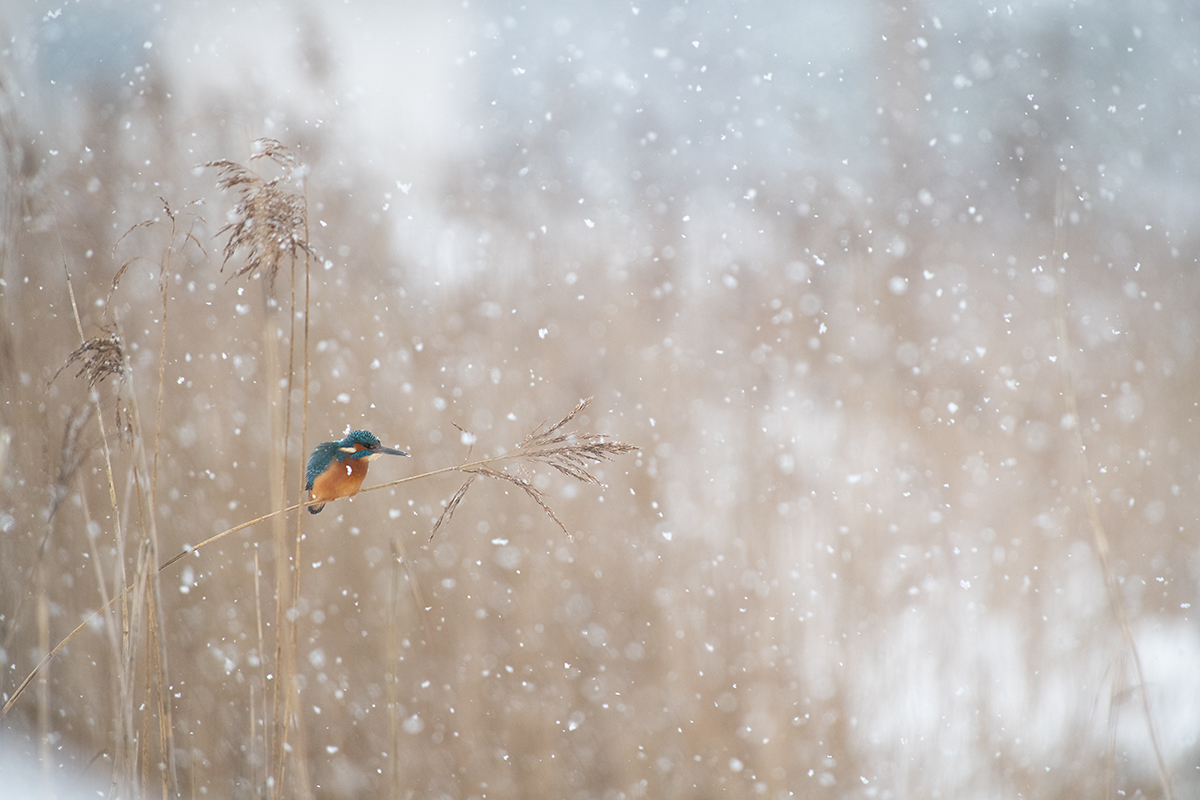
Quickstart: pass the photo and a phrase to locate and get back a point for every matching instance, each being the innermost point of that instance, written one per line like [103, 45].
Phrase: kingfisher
[337, 469]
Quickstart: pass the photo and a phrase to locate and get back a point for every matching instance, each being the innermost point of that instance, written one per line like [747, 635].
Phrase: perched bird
[337, 469]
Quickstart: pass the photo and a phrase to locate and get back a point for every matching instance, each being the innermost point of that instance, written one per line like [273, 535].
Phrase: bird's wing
[318, 461]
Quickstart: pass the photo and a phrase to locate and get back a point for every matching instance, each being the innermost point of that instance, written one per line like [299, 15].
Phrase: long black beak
[388, 451]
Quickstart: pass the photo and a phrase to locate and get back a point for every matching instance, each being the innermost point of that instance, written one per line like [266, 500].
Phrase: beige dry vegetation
[896, 516]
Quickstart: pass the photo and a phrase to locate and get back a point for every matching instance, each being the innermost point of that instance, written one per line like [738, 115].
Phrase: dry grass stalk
[164, 286]
[164, 267]
[571, 453]
[146, 616]
[72, 455]
[101, 357]
[270, 220]
[70, 459]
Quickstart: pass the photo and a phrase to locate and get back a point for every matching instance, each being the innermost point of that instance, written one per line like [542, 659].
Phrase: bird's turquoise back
[319, 460]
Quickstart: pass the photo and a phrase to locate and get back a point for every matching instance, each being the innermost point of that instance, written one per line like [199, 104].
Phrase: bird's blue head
[364, 438]
[371, 448]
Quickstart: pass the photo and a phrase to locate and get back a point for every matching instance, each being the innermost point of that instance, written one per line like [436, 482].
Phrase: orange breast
[340, 479]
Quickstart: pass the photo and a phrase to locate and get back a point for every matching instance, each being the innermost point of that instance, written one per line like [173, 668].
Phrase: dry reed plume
[102, 357]
[270, 220]
[568, 452]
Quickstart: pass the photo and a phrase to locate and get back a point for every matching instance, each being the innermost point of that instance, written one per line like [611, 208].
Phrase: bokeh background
[803, 254]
